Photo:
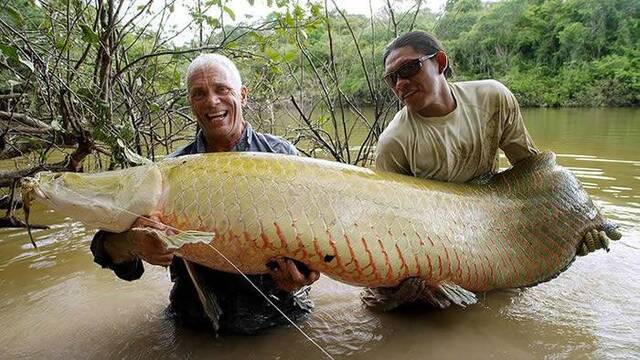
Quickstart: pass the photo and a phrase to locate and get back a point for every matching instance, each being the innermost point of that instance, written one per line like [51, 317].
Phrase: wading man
[447, 131]
[216, 96]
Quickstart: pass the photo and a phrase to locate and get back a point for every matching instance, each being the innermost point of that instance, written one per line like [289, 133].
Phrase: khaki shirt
[461, 145]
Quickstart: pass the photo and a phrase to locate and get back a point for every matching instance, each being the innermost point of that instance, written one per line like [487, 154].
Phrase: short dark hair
[420, 41]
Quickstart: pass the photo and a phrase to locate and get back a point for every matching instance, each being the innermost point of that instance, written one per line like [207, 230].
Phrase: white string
[230, 263]
[272, 304]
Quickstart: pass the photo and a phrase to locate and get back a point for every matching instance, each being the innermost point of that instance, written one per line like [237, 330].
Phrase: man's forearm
[119, 248]
[108, 254]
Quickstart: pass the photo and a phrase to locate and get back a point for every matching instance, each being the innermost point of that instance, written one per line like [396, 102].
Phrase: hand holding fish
[289, 277]
[141, 243]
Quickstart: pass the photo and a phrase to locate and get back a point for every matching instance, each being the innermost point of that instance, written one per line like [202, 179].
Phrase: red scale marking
[458, 267]
[446, 253]
[513, 266]
[250, 239]
[506, 259]
[386, 261]
[301, 247]
[527, 269]
[492, 274]
[485, 278]
[475, 269]
[353, 256]
[553, 242]
[267, 241]
[418, 269]
[283, 239]
[371, 262]
[431, 241]
[335, 253]
[404, 264]
[316, 248]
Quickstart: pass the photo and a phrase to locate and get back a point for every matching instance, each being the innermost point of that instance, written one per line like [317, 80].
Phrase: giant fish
[517, 228]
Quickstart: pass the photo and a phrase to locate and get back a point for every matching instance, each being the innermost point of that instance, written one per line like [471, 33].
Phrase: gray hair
[204, 60]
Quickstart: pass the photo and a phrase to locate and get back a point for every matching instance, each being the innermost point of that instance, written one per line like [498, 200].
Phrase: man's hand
[594, 240]
[147, 246]
[140, 241]
[289, 276]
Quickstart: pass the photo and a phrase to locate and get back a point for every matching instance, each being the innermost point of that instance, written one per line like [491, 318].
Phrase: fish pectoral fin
[184, 237]
[208, 298]
[447, 293]
[389, 298]
[414, 290]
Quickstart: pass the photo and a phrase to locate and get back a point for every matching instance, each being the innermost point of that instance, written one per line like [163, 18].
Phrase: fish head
[110, 200]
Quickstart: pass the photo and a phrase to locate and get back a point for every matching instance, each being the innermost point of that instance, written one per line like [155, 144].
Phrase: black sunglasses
[407, 70]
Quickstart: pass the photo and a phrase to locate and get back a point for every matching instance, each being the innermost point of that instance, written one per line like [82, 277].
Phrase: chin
[415, 107]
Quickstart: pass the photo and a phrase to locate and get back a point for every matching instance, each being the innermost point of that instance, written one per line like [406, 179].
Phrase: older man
[216, 96]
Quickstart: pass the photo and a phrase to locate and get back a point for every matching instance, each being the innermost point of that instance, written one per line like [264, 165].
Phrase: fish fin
[184, 237]
[208, 299]
[456, 294]
[414, 290]
[389, 298]
[132, 156]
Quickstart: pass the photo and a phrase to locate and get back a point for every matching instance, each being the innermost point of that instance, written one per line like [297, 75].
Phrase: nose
[401, 84]
[213, 99]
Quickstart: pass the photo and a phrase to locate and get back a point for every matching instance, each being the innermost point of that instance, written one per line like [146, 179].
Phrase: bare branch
[24, 120]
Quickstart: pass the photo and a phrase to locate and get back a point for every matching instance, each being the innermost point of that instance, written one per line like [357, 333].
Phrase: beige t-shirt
[461, 145]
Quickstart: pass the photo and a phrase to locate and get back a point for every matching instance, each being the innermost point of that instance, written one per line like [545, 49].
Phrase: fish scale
[517, 228]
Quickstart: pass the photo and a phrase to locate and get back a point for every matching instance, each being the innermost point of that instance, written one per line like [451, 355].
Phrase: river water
[56, 303]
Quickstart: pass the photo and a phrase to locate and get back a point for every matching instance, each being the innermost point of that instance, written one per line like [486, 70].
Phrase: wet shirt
[242, 309]
[461, 145]
[251, 140]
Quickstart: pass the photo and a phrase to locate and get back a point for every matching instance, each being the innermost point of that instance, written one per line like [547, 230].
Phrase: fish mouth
[30, 188]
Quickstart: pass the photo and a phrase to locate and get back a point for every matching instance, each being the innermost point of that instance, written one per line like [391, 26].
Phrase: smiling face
[217, 102]
[421, 91]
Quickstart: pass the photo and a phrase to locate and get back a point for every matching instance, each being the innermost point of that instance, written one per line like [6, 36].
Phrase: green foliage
[551, 52]
[14, 15]
[88, 35]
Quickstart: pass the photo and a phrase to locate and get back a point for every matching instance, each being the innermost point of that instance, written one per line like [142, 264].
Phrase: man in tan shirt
[446, 131]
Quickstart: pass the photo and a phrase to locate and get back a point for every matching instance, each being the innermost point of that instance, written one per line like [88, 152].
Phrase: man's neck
[226, 143]
[444, 104]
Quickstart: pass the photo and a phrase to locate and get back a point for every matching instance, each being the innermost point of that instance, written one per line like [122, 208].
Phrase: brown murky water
[56, 303]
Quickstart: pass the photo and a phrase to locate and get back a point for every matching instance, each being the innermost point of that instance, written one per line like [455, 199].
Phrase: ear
[443, 61]
[243, 95]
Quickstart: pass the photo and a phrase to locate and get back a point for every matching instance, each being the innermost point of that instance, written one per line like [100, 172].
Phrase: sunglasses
[409, 69]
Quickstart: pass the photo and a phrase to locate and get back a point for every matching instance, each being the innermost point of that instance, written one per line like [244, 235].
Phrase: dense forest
[104, 79]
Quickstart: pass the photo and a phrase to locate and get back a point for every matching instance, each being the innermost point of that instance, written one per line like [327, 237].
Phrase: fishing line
[227, 260]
